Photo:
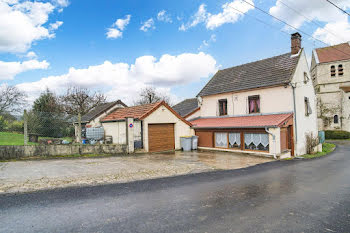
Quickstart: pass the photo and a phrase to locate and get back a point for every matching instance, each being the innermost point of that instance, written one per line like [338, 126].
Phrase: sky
[119, 47]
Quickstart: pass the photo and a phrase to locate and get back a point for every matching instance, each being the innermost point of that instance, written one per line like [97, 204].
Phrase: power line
[338, 7]
[293, 26]
[310, 20]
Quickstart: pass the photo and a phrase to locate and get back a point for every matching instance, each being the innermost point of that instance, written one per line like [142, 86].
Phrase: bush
[15, 126]
[3, 123]
[337, 134]
[311, 142]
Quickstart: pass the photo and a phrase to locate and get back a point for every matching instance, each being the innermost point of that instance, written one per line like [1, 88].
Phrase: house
[92, 118]
[188, 109]
[267, 106]
[330, 70]
[156, 126]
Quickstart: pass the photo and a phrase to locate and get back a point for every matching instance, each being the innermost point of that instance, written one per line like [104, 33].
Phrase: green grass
[17, 139]
[326, 149]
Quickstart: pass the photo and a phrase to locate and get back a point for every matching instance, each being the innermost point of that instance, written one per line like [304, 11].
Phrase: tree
[81, 100]
[149, 95]
[12, 100]
[47, 102]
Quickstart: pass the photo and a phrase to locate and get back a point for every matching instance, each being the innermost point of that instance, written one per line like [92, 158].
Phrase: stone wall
[15, 152]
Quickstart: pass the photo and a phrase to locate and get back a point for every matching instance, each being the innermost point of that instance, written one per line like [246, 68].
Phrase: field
[16, 139]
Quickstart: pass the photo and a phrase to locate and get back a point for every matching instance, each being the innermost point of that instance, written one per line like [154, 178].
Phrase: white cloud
[62, 3]
[116, 31]
[56, 25]
[199, 17]
[336, 28]
[8, 70]
[31, 55]
[124, 81]
[22, 23]
[149, 24]
[164, 16]
[230, 14]
[206, 43]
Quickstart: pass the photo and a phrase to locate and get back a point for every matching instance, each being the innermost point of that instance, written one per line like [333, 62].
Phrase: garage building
[156, 127]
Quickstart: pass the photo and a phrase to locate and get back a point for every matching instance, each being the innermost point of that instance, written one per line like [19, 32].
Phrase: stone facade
[333, 94]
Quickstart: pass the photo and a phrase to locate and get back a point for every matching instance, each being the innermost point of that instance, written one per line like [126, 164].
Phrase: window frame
[257, 106]
[333, 71]
[340, 70]
[223, 107]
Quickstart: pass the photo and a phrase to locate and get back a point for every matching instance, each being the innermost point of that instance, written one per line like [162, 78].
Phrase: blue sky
[61, 43]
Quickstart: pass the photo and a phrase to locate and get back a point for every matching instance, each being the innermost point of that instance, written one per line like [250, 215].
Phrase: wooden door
[161, 137]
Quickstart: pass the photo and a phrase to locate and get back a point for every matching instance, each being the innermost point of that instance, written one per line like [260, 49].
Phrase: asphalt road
[284, 196]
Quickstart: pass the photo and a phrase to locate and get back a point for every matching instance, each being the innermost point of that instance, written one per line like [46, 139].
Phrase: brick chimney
[296, 43]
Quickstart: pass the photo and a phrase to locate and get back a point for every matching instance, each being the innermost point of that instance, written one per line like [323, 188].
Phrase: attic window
[332, 71]
[340, 70]
[254, 104]
[306, 78]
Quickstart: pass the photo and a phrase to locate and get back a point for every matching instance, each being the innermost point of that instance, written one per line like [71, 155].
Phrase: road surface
[283, 196]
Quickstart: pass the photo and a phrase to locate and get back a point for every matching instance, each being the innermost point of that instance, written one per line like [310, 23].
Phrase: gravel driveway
[22, 176]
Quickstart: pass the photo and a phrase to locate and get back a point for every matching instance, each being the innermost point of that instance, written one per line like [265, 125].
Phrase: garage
[161, 137]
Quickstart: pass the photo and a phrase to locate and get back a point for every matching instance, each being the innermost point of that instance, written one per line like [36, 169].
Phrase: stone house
[266, 107]
[330, 71]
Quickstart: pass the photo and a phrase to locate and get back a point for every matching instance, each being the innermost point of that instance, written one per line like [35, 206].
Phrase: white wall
[303, 124]
[272, 100]
[117, 130]
[163, 115]
[194, 115]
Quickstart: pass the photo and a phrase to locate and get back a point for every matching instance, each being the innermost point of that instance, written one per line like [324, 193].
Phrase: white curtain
[256, 139]
[234, 138]
[221, 139]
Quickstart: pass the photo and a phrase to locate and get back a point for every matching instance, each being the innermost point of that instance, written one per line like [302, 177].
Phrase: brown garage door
[161, 137]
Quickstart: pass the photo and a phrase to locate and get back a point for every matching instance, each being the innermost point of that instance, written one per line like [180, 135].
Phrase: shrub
[311, 142]
[3, 123]
[15, 126]
[337, 134]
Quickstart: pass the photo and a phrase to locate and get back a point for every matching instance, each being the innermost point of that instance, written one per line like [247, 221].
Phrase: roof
[333, 53]
[99, 109]
[272, 71]
[254, 121]
[139, 112]
[186, 107]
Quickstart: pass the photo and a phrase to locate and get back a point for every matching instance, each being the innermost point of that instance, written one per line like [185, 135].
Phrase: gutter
[295, 114]
[274, 140]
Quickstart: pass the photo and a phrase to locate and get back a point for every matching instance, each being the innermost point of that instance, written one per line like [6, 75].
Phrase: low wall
[14, 152]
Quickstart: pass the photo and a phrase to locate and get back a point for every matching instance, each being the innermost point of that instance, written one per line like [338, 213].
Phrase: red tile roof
[136, 112]
[257, 121]
[334, 53]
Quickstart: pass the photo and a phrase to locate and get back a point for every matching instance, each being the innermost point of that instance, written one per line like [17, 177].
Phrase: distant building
[330, 70]
[188, 109]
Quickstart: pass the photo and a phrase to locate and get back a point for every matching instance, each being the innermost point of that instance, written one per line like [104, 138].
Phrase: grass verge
[326, 149]
[17, 139]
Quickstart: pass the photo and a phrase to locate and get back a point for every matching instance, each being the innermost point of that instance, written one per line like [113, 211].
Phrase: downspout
[295, 115]
[274, 140]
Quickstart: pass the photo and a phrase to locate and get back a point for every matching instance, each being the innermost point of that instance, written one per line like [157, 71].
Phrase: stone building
[330, 71]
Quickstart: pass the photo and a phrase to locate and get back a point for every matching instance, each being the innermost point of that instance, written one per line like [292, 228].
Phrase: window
[308, 110]
[256, 141]
[306, 78]
[221, 140]
[234, 140]
[332, 71]
[254, 104]
[340, 70]
[223, 107]
[336, 119]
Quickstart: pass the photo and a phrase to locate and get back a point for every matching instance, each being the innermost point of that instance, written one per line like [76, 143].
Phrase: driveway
[310, 196]
[42, 174]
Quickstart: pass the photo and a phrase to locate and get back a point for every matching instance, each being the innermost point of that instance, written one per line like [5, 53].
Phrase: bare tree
[11, 99]
[81, 100]
[149, 95]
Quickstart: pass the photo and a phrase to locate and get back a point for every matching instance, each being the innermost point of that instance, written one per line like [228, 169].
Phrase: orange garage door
[161, 137]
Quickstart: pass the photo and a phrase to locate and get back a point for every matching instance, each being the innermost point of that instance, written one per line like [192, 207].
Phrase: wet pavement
[24, 176]
[283, 196]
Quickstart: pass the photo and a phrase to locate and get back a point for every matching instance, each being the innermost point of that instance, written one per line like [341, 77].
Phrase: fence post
[25, 125]
[79, 128]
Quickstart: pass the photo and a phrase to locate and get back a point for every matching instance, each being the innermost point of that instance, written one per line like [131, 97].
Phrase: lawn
[17, 139]
[326, 149]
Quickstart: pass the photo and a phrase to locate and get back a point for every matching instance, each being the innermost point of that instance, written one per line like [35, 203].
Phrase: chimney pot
[296, 43]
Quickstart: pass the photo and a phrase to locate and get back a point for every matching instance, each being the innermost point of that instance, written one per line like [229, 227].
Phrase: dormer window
[223, 107]
[332, 71]
[340, 70]
[254, 104]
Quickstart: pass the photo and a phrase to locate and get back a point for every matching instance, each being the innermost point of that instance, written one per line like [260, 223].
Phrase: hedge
[337, 134]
